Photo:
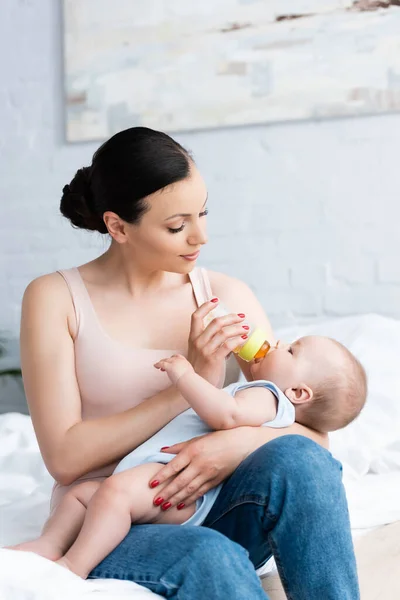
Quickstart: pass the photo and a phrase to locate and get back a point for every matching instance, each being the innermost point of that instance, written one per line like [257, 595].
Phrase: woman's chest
[112, 380]
[157, 322]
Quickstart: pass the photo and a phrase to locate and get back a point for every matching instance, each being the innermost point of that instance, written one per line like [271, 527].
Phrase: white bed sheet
[25, 487]
[372, 487]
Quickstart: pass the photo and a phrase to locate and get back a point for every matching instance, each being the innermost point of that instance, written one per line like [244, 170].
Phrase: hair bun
[77, 203]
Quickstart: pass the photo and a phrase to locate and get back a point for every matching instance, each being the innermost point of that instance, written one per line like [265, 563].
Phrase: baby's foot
[40, 546]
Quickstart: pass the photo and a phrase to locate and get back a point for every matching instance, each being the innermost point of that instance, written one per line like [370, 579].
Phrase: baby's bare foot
[40, 546]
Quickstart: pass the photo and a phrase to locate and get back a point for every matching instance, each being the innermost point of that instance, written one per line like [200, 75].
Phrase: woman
[89, 339]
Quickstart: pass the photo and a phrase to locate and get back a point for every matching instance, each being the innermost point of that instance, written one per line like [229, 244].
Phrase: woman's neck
[129, 274]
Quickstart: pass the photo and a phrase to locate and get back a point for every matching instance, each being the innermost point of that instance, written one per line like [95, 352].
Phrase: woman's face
[172, 232]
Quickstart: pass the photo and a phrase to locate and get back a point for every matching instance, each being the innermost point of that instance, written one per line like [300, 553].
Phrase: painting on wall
[176, 65]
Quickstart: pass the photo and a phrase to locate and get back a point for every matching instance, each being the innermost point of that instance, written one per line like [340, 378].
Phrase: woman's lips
[191, 256]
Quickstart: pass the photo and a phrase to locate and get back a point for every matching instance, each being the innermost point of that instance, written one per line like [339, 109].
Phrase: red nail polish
[158, 501]
[164, 447]
[166, 506]
[154, 483]
[214, 299]
[246, 327]
[180, 505]
[244, 337]
[241, 315]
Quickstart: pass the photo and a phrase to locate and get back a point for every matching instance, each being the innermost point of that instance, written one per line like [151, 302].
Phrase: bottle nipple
[263, 351]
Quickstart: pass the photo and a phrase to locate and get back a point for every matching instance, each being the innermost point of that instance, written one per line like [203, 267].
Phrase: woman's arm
[204, 462]
[238, 297]
[71, 447]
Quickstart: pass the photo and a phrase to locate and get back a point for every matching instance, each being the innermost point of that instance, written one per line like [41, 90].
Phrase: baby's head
[323, 380]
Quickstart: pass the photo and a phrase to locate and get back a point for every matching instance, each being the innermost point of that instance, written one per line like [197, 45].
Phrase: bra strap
[201, 285]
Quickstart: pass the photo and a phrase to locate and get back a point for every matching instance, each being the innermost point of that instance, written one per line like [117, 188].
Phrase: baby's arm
[252, 406]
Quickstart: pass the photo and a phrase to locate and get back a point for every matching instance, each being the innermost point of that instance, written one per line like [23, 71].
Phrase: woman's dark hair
[128, 167]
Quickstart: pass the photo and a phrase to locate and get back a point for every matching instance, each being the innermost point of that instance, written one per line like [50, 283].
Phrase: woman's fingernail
[164, 447]
[158, 501]
[241, 315]
[166, 506]
[214, 299]
[181, 505]
[154, 483]
[246, 327]
[244, 337]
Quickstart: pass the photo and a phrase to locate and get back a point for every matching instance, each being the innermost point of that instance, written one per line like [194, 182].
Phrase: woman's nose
[199, 236]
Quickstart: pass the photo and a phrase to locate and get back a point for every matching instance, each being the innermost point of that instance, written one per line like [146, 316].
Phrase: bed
[369, 449]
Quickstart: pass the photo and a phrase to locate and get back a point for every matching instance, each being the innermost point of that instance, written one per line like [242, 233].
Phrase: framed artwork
[176, 65]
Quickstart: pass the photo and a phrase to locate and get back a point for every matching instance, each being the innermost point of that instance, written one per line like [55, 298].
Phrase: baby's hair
[340, 396]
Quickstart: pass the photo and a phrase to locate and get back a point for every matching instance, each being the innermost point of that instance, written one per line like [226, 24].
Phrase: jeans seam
[130, 576]
[277, 558]
[247, 499]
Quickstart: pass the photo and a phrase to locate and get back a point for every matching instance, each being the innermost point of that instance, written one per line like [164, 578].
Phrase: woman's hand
[202, 463]
[209, 347]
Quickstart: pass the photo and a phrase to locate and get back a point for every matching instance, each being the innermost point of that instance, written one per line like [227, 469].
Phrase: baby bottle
[256, 345]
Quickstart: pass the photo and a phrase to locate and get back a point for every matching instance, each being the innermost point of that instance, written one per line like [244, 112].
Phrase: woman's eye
[176, 230]
[290, 350]
[171, 230]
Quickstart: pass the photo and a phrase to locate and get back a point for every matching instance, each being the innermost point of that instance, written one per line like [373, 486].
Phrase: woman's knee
[298, 460]
[293, 473]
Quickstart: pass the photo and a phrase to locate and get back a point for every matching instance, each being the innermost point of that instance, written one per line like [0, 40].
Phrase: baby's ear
[300, 394]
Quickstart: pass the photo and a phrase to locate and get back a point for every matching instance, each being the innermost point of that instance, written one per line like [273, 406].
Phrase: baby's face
[289, 365]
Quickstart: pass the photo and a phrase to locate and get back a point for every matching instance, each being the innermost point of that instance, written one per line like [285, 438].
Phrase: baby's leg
[63, 526]
[122, 499]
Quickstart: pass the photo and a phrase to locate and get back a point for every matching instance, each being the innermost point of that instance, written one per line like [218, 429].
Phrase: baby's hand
[175, 366]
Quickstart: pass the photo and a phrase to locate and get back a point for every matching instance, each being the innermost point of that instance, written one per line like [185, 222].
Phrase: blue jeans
[286, 499]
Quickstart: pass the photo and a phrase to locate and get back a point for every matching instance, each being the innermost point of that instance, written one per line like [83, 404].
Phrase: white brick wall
[308, 214]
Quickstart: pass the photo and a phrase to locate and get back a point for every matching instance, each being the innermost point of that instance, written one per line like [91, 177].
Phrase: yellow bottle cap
[253, 344]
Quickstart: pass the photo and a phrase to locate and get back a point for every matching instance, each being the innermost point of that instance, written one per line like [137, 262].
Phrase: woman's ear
[300, 394]
[116, 227]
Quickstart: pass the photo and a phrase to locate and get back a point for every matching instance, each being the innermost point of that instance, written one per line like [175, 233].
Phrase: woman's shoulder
[239, 297]
[48, 295]
[224, 285]
[42, 286]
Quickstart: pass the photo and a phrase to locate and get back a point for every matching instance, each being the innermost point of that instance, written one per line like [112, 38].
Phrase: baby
[315, 381]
